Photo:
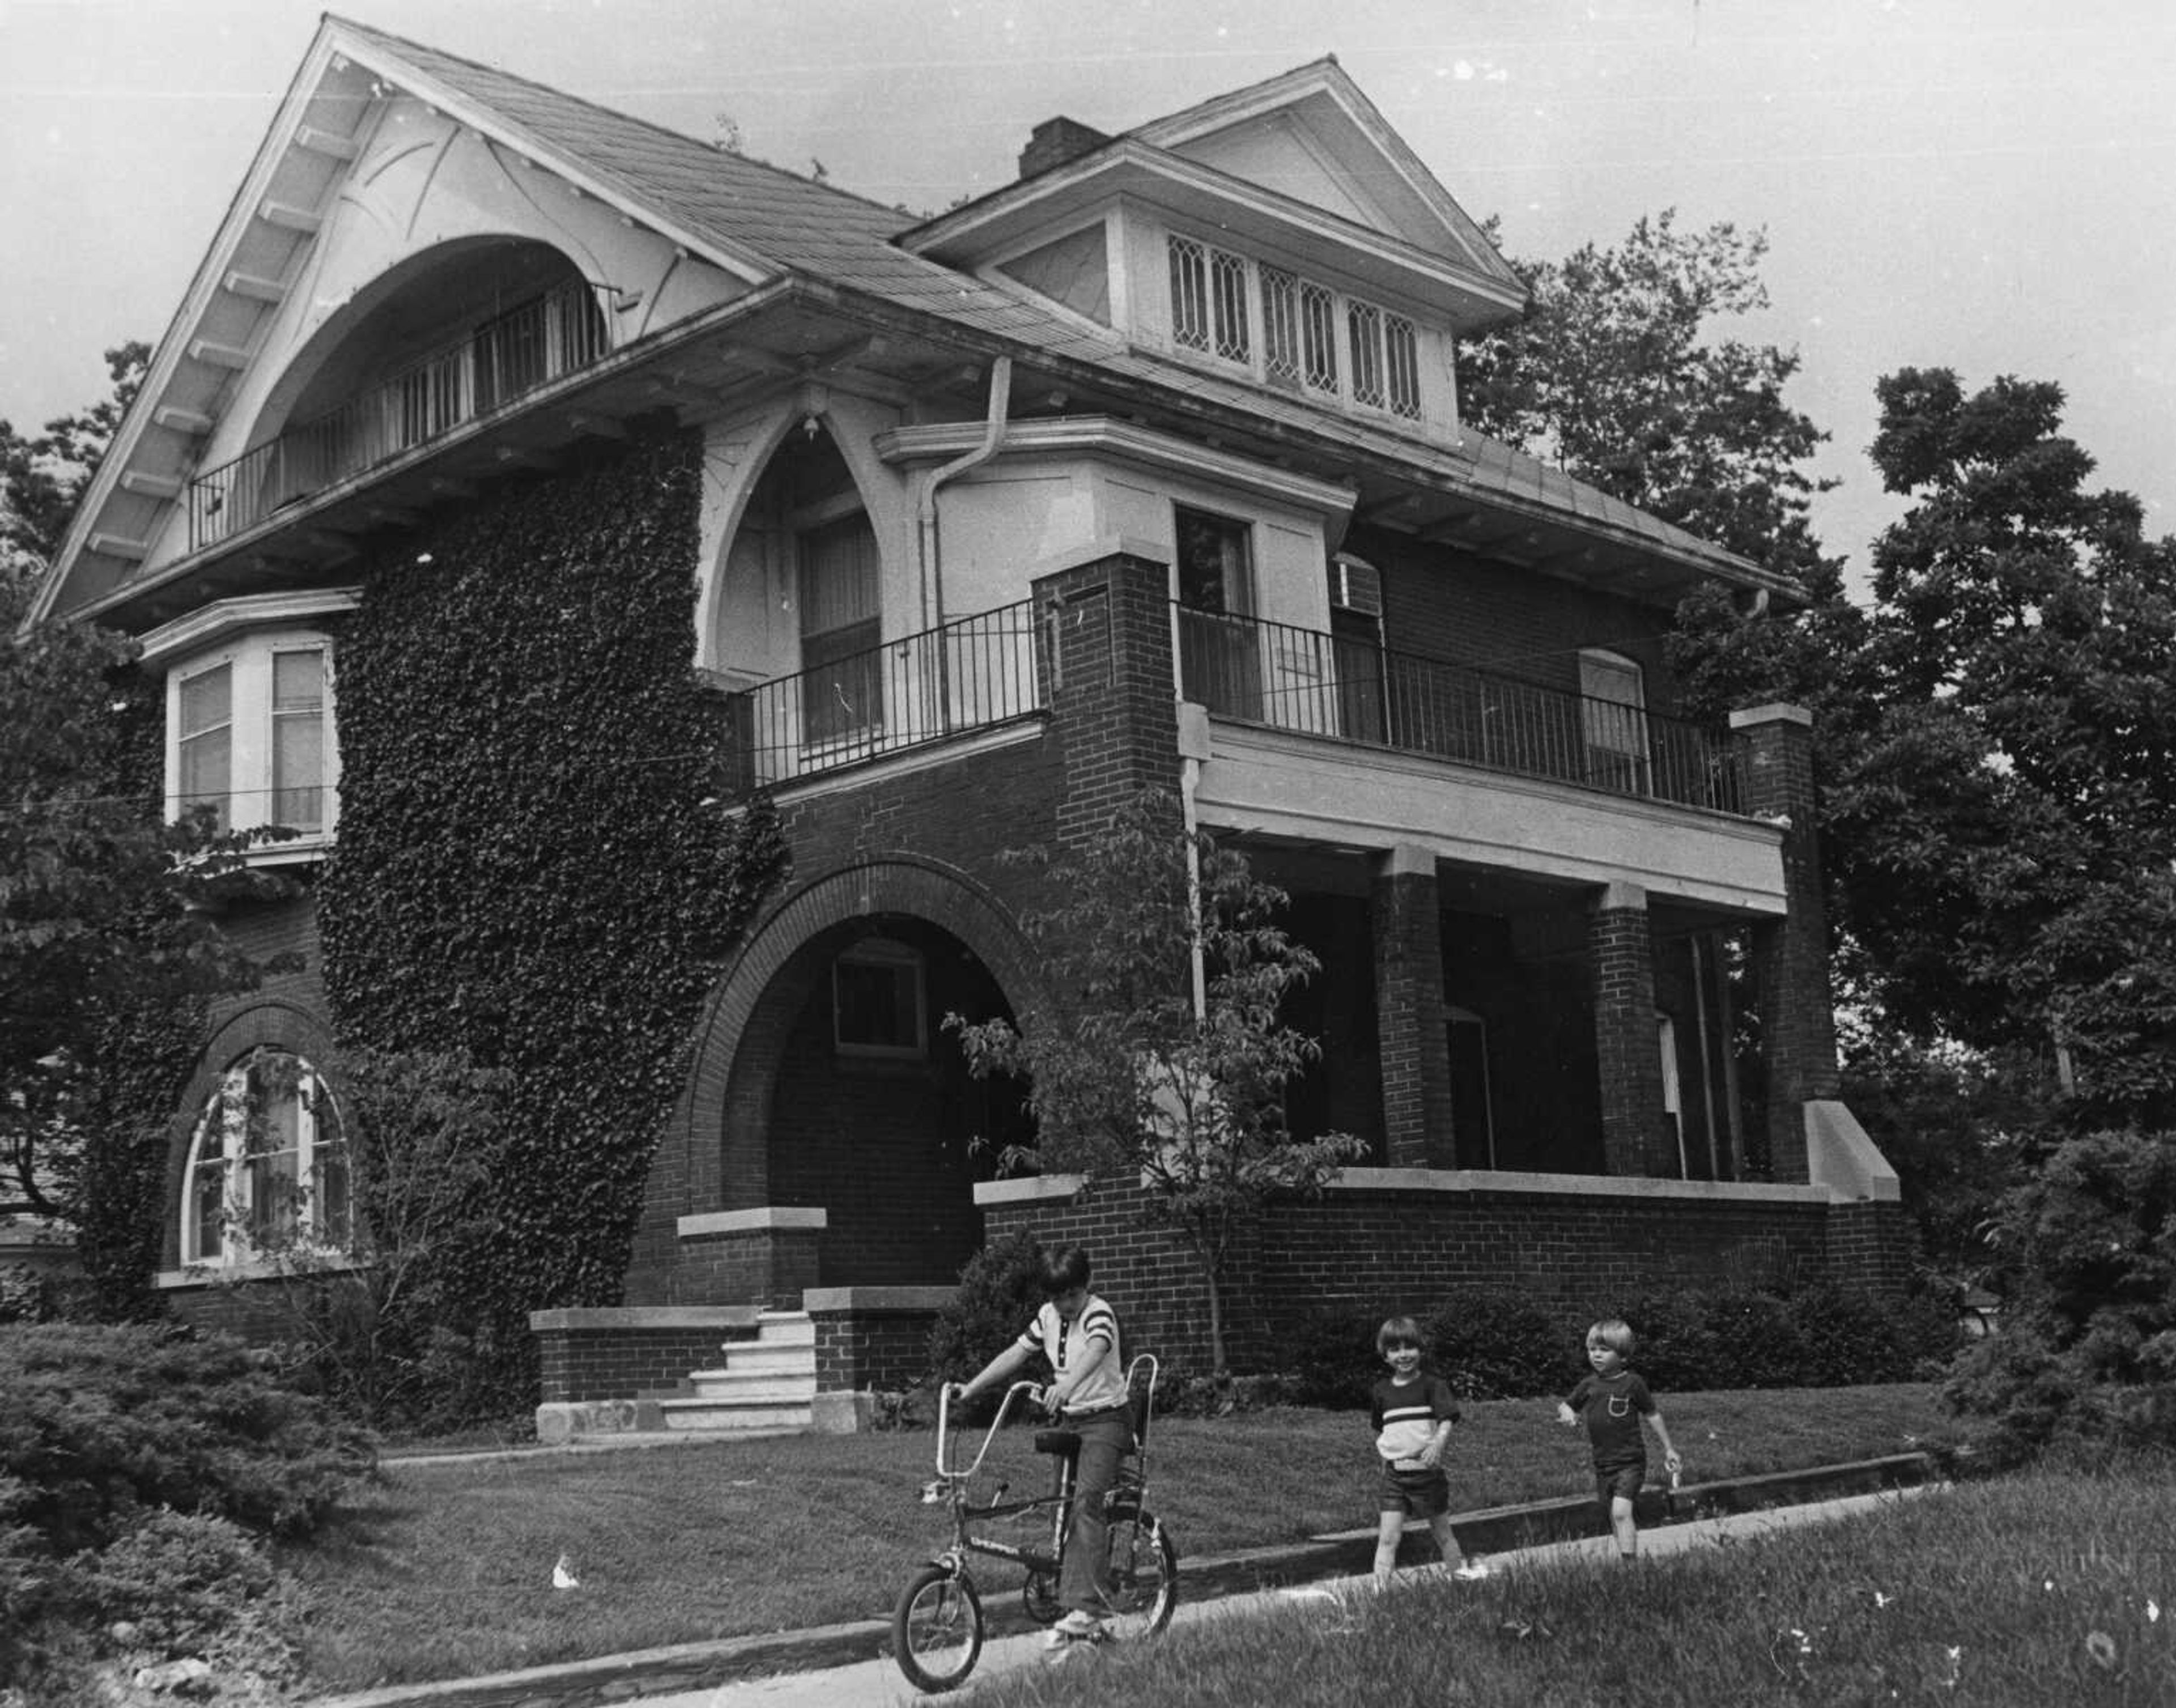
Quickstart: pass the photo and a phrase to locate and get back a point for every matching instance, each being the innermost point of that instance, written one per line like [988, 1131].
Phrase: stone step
[750, 1355]
[784, 1329]
[700, 1411]
[736, 1384]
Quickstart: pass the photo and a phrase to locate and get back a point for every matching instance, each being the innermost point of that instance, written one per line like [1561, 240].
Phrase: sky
[1985, 185]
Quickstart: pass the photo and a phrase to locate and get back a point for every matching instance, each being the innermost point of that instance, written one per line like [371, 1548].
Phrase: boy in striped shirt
[1412, 1414]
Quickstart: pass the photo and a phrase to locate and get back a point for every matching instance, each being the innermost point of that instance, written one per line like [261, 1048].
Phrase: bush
[1334, 1363]
[98, 1423]
[1000, 1291]
[1492, 1343]
[2088, 1347]
[182, 1581]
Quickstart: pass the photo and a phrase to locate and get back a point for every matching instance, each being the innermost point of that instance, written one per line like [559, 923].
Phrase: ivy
[533, 869]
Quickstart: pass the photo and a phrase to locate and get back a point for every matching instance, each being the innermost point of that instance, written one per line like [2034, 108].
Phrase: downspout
[1193, 748]
[1706, 1055]
[993, 439]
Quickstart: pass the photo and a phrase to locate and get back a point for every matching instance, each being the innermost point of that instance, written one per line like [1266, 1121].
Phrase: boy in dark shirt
[1411, 1415]
[1612, 1401]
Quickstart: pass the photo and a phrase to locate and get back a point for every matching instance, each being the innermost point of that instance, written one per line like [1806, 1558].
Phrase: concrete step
[784, 1329]
[737, 1384]
[753, 1355]
[700, 1411]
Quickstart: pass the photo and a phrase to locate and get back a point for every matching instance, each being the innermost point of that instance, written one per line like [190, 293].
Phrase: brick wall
[863, 1347]
[1625, 1040]
[1417, 1122]
[626, 1354]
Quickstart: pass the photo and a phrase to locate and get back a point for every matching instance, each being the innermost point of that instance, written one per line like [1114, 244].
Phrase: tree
[1168, 1059]
[2005, 836]
[1612, 375]
[42, 480]
[108, 948]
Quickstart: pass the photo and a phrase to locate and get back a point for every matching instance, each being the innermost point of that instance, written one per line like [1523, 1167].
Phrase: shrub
[2087, 1348]
[1000, 1291]
[1493, 1343]
[99, 1422]
[1333, 1358]
[183, 1582]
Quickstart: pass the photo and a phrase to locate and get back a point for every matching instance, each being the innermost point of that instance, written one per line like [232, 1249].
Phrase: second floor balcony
[509, 356]
[984, 671]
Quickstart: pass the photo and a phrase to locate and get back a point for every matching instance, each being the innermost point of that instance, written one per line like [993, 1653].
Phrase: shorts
[1614, 1480]
[1417, 1493]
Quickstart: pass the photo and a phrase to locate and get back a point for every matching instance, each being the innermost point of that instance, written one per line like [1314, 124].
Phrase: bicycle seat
[1063, 1442]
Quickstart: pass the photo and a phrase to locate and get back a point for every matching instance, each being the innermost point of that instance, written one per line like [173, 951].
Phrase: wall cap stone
[768, 1218]
[1487, 1180]
[1844, 1160]
[1030, 1188]
[866, 1301]
[1099, 551]
[1752, 716]
[622, 1317]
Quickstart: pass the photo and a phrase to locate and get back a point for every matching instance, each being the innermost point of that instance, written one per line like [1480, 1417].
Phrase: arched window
[267, 1174]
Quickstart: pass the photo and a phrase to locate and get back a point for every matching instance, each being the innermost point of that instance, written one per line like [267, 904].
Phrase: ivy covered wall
[532, 864]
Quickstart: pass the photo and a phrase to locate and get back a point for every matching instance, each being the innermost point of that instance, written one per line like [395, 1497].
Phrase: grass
[2048, 1587]
[445, 1571]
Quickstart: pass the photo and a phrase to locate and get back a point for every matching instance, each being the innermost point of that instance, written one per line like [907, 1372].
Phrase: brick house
[1146, 468]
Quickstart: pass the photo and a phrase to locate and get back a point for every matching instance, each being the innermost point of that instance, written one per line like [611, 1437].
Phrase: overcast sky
[1988, 185]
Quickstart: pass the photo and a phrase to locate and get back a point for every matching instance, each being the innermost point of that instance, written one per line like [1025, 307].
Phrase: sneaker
[1075, 1627]
[1472, 1572]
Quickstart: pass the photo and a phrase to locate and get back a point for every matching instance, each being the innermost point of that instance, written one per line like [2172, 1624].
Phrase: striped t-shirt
[1093, 1340]
[1405, 1415]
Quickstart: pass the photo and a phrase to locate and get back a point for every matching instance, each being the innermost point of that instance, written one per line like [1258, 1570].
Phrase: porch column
[1790, 954]
[1104, 657]
[1415, 1054]
[1630, 1059]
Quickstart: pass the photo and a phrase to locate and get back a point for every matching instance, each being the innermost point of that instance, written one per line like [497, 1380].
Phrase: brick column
[1623, 946]
[1415, 1057]
[1104, 653]
[1790, 955]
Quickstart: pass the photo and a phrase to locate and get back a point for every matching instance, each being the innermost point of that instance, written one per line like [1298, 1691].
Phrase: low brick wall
[1396, 1239]
[619, 1354]
[873, 1338]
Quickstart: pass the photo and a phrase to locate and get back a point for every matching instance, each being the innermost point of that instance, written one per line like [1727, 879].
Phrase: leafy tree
[1613, 375]
[43, 479]
[2004, 840]
[107, 946]
[1153, 1069]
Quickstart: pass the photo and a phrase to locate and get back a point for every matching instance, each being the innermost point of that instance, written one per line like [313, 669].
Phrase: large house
[1145, 468]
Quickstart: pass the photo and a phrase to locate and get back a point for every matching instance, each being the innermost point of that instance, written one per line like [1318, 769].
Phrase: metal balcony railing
[1357, 690]
[538, 341]
[973, 674]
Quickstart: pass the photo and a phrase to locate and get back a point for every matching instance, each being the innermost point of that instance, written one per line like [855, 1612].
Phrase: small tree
[376, 1291]
[1168, 1057]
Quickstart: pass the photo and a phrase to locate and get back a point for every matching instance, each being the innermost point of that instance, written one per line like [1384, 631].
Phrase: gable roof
[768, 225]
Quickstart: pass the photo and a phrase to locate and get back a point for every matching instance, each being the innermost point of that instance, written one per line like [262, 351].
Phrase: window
[267, 1173]
[1220, 659]
[298, 738]
[1613, 719]
[877, 1001]
[1209, 299]
[206, 722]
[1210, 312]
[841, 692]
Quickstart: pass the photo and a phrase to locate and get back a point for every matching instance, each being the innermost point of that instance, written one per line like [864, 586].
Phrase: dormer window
[1218, 299]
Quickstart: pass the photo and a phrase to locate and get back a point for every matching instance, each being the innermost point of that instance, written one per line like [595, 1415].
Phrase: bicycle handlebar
[944, 1392]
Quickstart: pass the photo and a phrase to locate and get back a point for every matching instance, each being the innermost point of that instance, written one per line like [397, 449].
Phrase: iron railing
[1357, 690]
[973, 674]
[507, 356]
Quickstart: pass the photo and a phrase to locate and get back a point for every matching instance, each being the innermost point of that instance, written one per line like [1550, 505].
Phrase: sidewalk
[849, 1664]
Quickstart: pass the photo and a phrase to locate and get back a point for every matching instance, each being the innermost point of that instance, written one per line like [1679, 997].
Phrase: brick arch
[272, 1025]
[720, 1138]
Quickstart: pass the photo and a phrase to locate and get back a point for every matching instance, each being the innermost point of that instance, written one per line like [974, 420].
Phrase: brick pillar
[1415, 1057]
[1790, 955]
[1623, 946]
[1105, 657]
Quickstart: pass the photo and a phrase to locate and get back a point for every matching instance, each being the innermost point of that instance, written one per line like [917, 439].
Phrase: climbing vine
[533, 869]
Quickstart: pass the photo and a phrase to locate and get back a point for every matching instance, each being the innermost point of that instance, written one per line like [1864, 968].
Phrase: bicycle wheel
[937, 1629]
[1142, 1571]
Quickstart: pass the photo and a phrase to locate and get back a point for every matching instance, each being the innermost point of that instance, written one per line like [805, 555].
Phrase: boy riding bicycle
[1078, 1333]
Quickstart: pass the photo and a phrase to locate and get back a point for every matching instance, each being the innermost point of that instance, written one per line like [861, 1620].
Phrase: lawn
[2046, 1588]
[446, 1571]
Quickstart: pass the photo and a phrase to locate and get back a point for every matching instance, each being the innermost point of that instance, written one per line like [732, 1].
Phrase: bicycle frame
[952, 1485]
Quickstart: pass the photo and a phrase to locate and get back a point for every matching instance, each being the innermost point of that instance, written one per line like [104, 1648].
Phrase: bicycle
[938, 1627]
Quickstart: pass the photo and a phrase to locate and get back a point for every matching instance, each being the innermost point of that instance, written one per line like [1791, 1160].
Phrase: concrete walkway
[878, 1683]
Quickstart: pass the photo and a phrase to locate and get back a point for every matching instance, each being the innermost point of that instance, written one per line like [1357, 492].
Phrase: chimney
[1056, 141]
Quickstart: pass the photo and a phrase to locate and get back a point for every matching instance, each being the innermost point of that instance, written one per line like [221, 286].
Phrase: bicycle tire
[937, 1630]
[1141, 1570]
